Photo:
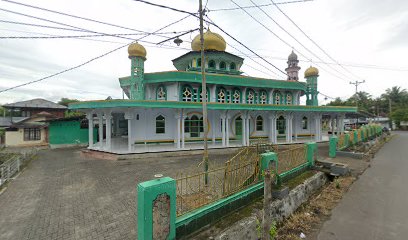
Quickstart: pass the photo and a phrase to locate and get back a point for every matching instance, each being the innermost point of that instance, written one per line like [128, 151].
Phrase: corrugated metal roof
[35, 103]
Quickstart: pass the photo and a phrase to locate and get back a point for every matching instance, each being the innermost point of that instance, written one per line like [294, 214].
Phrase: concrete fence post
[156, 206]
[347, 140]
[333, 146]
[266, 159]
[267, 218]
[311, 153]
[355, 139]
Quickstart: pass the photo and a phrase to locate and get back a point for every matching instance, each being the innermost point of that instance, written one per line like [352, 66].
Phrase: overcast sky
[367, 33]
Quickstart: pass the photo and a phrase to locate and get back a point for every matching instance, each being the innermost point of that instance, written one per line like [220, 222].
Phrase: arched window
[250, 98]
[259, 123]
[233, 66]
[263, 97]
[304, 122]
[223, 66]
[160, 124]
[201, 94]
[194, 126]
[161, 93]
[211, 64]
[277, 100]
[281, 125]
[187, 94]
[199, 62]
[289, 99]
[236, 96]
[221, 95]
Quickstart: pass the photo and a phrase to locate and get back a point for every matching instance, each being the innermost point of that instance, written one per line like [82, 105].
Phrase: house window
[32, 134]
[236, 96]
[211, 64]
[259, 123]
[187, 94]
[263, 97]
[289, 99]
[250, 96]
[161, 93]
[160, 124]
[233, 66]
[304, 123]
[223, 66]
[221, 95]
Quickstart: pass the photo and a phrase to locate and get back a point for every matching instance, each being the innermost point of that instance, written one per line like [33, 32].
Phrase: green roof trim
[220, 79]
[211, 106]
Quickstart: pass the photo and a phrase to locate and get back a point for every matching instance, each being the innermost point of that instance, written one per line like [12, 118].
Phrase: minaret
[293, 69]
[137, 56]
[311, 75]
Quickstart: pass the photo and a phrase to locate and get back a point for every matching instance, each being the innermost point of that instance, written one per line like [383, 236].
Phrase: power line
[325, 52]
[167, 7]
[261, 5]
[90, 60]
[267, 28]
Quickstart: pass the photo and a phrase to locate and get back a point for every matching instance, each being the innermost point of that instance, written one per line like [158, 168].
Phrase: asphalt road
[376, 206]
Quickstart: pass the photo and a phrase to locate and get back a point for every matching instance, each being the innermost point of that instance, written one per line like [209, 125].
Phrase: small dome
[212, 41]
[136, 50]
[293, 56]
[311, 71]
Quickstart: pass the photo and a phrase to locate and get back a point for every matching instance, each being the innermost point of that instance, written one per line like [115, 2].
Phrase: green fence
[352, 138]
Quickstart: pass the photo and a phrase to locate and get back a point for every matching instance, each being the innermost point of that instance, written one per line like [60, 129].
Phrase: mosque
[163, 111]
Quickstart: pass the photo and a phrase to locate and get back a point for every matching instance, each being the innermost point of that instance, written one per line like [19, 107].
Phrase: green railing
[352, 138]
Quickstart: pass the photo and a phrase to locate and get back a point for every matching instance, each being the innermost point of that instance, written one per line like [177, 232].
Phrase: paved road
[376, 207]
[63, 196]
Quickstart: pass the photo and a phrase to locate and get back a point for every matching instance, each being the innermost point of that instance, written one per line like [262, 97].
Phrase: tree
[400, 115]
[66, 101]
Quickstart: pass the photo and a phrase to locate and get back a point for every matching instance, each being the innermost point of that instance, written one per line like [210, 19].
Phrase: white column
[178, 124]
[287, 117]
[248, 133]
[213, 129]
[227, 120]
[100, 122]
[108, 118]
[223, 130]
[272, 128]
[318, 128]
[129, 116]
[182, 129]
[341, 126]
[243, 117]
[295, 125]
[90, 129]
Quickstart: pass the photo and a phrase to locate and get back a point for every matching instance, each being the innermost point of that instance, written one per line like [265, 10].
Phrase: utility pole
[204, 93]
[356, 83]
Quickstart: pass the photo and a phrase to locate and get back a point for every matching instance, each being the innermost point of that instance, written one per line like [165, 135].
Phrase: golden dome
[311, 71]
[212, 41]
[136, 50]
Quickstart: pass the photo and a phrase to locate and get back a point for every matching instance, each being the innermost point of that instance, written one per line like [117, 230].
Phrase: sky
[365, 40]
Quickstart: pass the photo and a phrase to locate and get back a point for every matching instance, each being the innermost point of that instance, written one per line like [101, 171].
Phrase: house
[164, 109]
[30, 128]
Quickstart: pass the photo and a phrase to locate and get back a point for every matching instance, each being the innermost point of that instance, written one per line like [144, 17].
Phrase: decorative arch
[161, 93]
[281, 125]
[259, 123]
[289, 98]
[200, 94]
[250, 96]
[263, 97]
[211, 64]
[304, 122]
[277, 98]
[199, 62]
[221, 95]
[187, 93]
[233, 66]
[223, 65]
[160, 124]
[236, 95]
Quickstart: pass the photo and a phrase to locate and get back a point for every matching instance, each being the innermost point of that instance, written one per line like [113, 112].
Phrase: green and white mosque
[164, 110]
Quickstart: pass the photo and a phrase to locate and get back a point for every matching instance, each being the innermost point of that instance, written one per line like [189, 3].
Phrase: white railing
[10, 168]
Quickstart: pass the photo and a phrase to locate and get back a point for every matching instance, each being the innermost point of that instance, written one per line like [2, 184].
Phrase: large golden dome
[136, 50]
[212, 41]
[311, 71]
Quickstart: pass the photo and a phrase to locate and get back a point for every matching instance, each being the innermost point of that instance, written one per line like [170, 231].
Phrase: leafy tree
[400, 115]
[66, 101]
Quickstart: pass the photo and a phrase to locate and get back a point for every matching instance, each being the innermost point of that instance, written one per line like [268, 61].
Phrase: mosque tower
[311, 75]
[293, 69]
[137, 56]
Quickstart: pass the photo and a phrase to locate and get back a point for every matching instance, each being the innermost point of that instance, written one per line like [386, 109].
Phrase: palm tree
[395, 94]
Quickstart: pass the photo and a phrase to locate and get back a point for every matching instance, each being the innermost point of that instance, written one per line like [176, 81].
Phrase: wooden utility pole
[267, 220]
[204, 92]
